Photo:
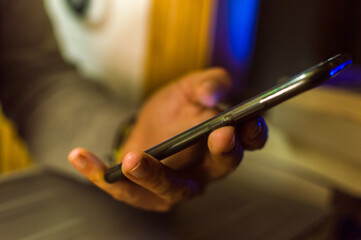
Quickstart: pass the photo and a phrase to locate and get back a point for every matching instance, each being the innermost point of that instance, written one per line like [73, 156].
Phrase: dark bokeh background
[294, 35]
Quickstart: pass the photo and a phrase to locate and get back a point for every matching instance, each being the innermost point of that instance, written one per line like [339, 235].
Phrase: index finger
[225, 153]
[93, 169]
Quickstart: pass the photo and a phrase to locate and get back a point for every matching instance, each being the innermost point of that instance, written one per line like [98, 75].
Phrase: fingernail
[256, 131]
[140, 170]
[231, 147]
[80, 162]
[77, 159]
[209, 94]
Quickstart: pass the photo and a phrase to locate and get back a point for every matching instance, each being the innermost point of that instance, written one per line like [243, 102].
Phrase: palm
[168, 113]
[177, 107]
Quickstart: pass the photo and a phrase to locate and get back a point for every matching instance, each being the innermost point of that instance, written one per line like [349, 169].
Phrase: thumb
[208, 87]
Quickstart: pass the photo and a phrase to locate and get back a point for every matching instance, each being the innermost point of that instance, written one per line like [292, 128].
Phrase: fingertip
[254, 134]
[78, 159]
[222, 74]
[222, 140]
[208, 93]
[76, 153]
[85, 161]
[251, 129]
[214, 84]
[256, 129]
[230, 146]
[226, 152]
[94, 169]
[131, 160]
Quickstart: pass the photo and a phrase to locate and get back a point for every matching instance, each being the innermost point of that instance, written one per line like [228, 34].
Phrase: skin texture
[183, 103]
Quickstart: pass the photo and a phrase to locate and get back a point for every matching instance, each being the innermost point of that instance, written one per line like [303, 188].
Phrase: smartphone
[303, 81]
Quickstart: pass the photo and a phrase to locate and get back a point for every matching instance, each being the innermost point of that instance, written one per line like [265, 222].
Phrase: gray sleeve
[73, 114]
[54, 108]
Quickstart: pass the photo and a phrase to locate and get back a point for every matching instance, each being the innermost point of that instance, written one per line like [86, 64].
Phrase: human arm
[54, 108]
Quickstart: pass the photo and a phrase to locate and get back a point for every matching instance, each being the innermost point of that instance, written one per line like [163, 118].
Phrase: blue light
[242, 20]
[339, 68]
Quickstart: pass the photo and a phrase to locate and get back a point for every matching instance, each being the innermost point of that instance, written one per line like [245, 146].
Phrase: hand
[157, 186]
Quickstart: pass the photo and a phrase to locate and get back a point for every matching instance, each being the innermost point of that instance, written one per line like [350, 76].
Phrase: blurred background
[319, 130]
[313, 153]
[294, 35]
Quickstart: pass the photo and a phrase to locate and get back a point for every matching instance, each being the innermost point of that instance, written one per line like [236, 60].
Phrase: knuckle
[224, 166]
[254, 145]
[258, 143]
[234, 162]
[193, 73]
[187, 193]
[118, 197]
[124, 194]
[164, 207]
[155, 182]
[174, 197]
[222, 74]
[166, 192]
[220, 71]
[231, 160]
[175, 192]
[163, 189]
[190, 190]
